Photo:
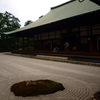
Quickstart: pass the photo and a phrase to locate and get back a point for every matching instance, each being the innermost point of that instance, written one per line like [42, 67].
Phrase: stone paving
[80, 81]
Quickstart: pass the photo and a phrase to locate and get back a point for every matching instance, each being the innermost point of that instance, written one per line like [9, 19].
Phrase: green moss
[33, 88]
[97, 95]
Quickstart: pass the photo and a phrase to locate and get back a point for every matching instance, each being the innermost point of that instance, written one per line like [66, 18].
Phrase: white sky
[28, 9]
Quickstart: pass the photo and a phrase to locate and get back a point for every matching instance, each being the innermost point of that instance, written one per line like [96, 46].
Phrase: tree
[28, 22]
[8, 22]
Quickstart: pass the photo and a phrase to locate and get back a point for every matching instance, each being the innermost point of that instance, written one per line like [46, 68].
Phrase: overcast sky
[28, 9]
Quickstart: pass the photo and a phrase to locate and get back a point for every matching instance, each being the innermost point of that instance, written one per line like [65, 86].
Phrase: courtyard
[80, 81]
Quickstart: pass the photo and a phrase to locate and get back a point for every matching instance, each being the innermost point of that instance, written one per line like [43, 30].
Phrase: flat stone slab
[52, 57]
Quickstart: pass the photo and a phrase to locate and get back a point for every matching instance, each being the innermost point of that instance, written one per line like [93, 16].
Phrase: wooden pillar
[91, 47]
[12, 42]
[37, 42]
[79, 40]
[91, 41]
[18, 43]
[28, 42]
[23, 43]
[33, 43]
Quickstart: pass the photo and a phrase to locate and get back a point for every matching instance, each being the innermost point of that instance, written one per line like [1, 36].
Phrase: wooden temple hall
[70, 27]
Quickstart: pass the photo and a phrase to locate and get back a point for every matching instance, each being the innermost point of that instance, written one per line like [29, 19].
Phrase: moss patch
[34, 88]
[97, 95]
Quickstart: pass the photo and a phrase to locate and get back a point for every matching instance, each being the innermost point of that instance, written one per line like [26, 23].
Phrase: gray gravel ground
[80, 81]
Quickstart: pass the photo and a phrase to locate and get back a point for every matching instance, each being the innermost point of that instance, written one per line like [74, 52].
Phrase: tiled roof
[63, 11]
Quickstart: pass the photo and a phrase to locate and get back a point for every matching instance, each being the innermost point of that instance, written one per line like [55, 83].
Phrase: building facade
[76, 22]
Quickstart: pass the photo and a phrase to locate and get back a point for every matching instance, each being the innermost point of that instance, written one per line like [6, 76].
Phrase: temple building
[76, 23]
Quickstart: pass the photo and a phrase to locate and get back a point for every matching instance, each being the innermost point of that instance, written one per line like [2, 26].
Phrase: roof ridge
[96, 1]
[62, 4]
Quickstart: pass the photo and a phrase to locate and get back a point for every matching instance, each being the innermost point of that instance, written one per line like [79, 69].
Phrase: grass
[35, 88]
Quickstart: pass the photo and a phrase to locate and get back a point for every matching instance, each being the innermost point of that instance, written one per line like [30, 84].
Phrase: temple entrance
[96, 43]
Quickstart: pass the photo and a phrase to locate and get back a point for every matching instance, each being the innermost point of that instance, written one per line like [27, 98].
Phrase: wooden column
[18, 43]
[28, 43]
[37, 42]
[23, 43]
[33, 42]
[91, 41]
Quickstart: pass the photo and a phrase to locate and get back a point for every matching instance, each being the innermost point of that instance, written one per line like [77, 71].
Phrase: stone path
[80, 81]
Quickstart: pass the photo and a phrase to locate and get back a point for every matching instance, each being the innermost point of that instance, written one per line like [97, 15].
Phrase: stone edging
[55, 58]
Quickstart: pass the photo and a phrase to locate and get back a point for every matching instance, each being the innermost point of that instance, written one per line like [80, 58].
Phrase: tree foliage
[28, 22]
[8, 22]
